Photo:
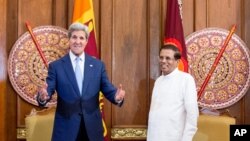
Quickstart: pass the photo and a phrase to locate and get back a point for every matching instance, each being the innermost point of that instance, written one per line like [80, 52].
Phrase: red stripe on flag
[91, 46]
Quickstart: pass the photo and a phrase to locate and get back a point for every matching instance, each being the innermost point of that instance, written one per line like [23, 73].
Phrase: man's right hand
[43, 94]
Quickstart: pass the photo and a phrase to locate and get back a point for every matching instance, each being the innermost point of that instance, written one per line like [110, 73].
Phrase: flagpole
[216, 61]
[36, 44]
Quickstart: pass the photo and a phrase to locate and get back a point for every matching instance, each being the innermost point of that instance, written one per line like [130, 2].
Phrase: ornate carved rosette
[27, 72]
[230, 80]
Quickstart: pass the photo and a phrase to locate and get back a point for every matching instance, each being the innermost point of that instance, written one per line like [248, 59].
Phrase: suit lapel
[70, 73]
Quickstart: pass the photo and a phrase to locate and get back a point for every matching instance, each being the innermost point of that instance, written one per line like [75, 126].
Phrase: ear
[178, 61]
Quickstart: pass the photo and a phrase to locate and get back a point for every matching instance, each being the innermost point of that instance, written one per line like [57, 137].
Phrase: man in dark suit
[78, 116]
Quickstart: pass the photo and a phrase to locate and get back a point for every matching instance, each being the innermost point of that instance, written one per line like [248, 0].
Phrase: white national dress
[174, 110]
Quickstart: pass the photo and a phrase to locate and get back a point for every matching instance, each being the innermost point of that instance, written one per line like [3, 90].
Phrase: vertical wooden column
[3, 77]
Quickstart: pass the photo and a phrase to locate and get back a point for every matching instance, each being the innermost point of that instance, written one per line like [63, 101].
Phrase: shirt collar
[73, 56]
[171, 73]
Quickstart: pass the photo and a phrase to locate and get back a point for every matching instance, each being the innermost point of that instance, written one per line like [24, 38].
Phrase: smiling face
[167, 61]
[78, 42]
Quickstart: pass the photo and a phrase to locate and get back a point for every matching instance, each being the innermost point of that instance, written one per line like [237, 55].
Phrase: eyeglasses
[161, 58]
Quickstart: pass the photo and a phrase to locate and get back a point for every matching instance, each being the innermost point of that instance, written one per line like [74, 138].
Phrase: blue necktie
[78, 74]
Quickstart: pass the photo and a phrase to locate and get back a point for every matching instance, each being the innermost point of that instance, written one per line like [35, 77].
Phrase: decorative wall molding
[138, 133]
[121, 133]
[21, 133]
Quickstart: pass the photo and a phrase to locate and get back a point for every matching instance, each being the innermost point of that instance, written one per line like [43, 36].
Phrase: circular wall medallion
[26, 70]
[230, 80]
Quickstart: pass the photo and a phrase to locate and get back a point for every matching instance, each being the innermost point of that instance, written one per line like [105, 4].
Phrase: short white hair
[76, 27]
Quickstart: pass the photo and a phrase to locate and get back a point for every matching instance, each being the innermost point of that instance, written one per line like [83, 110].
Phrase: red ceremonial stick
[36, 44]
[216, 61]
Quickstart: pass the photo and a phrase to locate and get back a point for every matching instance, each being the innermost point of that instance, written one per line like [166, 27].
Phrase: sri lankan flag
[174, 32]
[84, 13]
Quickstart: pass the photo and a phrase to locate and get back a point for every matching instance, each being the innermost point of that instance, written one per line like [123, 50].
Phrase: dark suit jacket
[70, 105]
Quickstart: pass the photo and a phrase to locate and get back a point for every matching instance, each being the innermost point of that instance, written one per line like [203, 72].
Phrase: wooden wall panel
[246, 36]
[3, 73]
[60, 13]
[129, 60]
[125, 45]
[97, 7]
[105, 47]
[224, 13]
[155, 41]
[70, 7]
[246, 16]
[10, 95]
[37, 12]
[187, 15]
[200, 15]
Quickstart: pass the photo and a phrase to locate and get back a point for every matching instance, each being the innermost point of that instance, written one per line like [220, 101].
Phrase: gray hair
[76, 27]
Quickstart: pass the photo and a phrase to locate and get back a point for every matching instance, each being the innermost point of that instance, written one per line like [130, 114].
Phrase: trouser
[82, 134]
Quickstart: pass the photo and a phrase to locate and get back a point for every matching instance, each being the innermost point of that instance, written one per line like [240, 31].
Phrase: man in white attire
[174, 110]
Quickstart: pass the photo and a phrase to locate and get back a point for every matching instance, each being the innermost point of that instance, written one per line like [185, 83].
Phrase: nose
[77, 40]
